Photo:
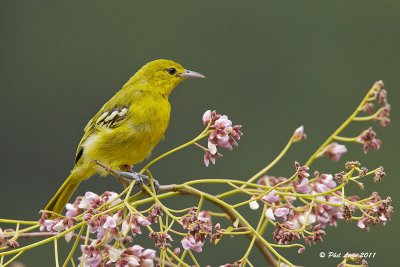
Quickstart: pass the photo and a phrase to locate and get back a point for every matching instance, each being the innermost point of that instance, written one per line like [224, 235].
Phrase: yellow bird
[127, 127]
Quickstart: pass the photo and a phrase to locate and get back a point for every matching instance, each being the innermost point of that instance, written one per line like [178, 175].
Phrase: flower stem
[41, 242]
[18, 221]
[193, 258]
[56, 252]
[345, 139]
[341, 127]
[71, 253]
[260, 221]
[201, 136]
[12, 259]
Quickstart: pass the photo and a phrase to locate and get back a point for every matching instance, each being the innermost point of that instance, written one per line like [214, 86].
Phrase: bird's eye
[171, 71]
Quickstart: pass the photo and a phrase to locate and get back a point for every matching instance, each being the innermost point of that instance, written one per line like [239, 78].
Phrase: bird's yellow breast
[131, 142]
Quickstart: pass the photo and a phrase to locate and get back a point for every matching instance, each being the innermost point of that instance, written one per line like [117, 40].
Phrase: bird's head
[162, 75]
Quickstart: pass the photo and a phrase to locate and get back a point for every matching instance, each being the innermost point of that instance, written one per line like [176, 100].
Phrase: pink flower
[110, 223]
[360, 223]
[114, 254]
[93, 261]
[111, 197]
[302, 187]
[335, 151]
[369, 140]
[316, 235]
[92, 256]
[269, 213]
[107, 235]
[189, 242]
[327, 179]
[324, 183]
[300, 219]
[1, 237]
[90, 200]
[299, 134]
[72, 210]
[142, 221]
[326, 214]
[204, 216]
[302, 171]
[149, 253]
[135, 256]
[60, 226]
[47, 225]
[222, 135]
[283, 235]
[380, 93]
[207, 117]
[161, 240]
[134, 223]
[210, 157]
[271, 197]
[223, 122]
[369, 108]
[281, 212]
[212, 147]
[383, 116]
[303, 216]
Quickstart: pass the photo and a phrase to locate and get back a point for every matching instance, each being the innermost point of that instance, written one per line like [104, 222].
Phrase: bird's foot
[139, 178]
[126, 177]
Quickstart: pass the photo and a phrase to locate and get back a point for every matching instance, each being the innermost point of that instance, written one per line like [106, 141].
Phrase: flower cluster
[57, 225]
[222, 134]
[161, 240]
[326, 207]
[380, 211]
[6, 241]
[105, 227]
[334, 151]
[382, 115]
[126, 257]
[369, 141]
[198, 227]
[91, 202]
[368, 137]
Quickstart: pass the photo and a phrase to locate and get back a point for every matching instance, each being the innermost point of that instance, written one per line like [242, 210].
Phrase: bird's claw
[140, 179]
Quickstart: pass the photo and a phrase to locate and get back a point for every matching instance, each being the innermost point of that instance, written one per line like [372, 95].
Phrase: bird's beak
[191, 74]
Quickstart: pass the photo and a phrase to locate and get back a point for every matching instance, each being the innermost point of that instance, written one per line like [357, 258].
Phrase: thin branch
[260, 245]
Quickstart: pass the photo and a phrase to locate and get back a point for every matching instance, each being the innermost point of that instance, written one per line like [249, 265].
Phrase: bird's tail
[64, 193]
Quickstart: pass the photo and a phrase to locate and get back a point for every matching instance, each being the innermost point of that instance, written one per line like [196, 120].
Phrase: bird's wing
[108, 117]
[111, 118]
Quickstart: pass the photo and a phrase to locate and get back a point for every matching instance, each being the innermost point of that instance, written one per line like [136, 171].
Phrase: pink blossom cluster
[57, 225]
[199, 227]
[132, 256]
[223, 134]
[7, 241]
[90, 202]
[380, 212]
[383, 113]
[369, 141]
[328, 206]
[367, 138]
[106, 228]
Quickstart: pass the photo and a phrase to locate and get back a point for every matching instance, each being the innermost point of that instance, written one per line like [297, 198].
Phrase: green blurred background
[270, 65]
